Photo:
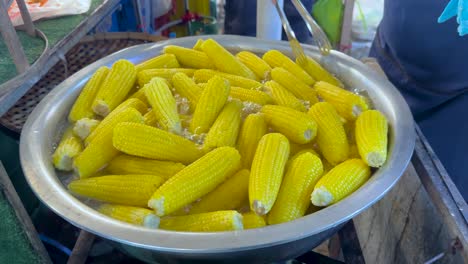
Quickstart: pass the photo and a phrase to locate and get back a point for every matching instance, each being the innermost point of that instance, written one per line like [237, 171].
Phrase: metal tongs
[321, 40]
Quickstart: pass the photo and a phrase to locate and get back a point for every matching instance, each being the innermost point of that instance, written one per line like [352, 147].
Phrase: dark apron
[428, 63]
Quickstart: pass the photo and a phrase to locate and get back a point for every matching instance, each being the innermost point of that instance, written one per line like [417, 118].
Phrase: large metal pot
[272, 243]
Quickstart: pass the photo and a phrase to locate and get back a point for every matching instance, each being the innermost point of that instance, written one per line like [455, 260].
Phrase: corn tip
[375, 159]
[321, 197]
[258, 207]
[101, 108]
[237, 222]
[157, 205]
[151, 221]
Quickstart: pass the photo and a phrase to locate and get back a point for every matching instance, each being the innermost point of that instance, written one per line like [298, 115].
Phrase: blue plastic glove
[457, 8]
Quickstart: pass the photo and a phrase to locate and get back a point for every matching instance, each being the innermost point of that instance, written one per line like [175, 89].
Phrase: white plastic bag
[48, 8]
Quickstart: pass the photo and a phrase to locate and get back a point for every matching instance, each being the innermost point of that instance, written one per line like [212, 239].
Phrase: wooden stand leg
[81, 249]
[27, 20]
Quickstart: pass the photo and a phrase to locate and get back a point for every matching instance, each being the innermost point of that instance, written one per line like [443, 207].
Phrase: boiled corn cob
[164, 105]
[228, 196]
[205, 222]
[347, 104]
[150, 142]
[253, 129]
[126, 164]
[131, 214]
[190, 58]
[331, 136]
[68, 148]
[198, 44]
[140, 95]
[252, 220]
[204, 75]
[83, 105]
[195, 180]
[294, 85]
[297, 126]
[187, 88]
[210, 104]
[84, 127]
[371, 137]
[115, 87]
[340, 182]
[224, 60]
[315, 70]
[277, 59]
[161, 61]
[145, 76]
[253, 96]
[283, 97]
[309, 150]
[151, 119]
[108, 123]
[100, 150]
[134, 190]
[294, 196]
[254, 63]
[267, 172]
[226, 127]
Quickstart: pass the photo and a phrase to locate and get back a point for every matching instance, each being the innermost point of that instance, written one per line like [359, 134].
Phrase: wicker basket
[87, 51]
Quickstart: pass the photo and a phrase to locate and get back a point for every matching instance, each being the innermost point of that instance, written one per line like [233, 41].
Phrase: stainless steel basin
[272, 243]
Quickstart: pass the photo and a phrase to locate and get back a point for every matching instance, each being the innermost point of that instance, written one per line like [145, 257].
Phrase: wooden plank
[350, 245]
[81, 249]
[23, 218]
[405, 226]
[12, 90]
[11, 39]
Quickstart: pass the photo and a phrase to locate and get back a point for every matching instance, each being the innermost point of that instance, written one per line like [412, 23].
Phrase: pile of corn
[202, 140]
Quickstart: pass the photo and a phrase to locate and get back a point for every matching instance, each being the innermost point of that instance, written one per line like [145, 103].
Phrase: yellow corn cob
[84, 127]
[346, 103]
[204, 75]
[164, 105]
[132, 190]
[295, 148]
[150, 142]
[140, 95]
[161, 61]
[227, 196]
[252, 220]
[68, 148]
[187, 88]
[300, 152]
[331, 136]
[371, 137]
[126, 164]
[294, 85]
[115, 87]
[151, 119]
[267, 172]
[197, 45]
[205, 222]
[297, 126]
[226, 127]
[82, 106]
[283, 97]
[278, 59]
[210, 104]
[224, 60]
[145, 76]
[195, 180]
[294, 196]
[131, 214]
[315, 70]
[254, 63]
[108, 123]
[100, 150]
[340, 182]
[190, 58]
[253, 129]
[253, 96]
